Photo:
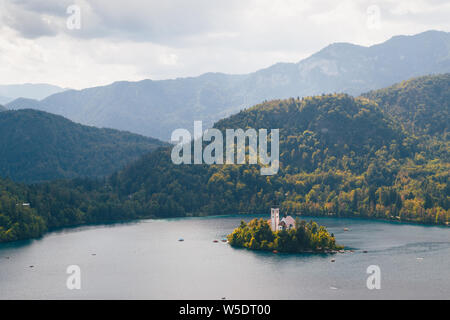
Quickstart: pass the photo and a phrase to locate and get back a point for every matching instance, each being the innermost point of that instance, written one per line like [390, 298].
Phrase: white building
[286, 223]
[274, 218]
[276, 224]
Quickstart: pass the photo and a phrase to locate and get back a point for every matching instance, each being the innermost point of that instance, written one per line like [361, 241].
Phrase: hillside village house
[286, 223]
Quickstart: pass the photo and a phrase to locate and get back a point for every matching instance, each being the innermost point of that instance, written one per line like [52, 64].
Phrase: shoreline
[201, 216]
[326, 252]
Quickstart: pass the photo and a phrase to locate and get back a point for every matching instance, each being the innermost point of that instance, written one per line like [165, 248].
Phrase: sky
[84, 43]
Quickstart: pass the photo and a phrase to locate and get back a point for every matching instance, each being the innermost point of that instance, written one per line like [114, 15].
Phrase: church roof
[289, 220]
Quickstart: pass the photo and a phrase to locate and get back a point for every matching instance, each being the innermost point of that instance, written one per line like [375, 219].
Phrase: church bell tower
[274, 218]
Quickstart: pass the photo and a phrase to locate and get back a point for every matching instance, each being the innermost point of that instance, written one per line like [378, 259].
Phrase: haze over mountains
[37, 91]
[156, 108]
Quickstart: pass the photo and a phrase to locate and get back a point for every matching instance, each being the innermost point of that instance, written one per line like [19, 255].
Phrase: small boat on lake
[181, 239]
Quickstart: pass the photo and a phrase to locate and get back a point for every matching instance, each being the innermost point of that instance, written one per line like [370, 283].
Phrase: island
[285, 235]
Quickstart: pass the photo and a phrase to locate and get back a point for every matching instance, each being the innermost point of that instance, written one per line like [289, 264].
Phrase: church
[286, 223]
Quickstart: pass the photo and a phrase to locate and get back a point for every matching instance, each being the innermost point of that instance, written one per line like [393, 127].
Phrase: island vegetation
[305, 237]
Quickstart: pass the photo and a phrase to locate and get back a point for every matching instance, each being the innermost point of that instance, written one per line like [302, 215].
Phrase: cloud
[181, 23]
[137, 39]
[27, 23]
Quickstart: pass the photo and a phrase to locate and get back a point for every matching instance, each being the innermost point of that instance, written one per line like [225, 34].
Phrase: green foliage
[17, 219]
[339, 156]
[305, 237]
[421, 104]
[38, 146]
[362, 165]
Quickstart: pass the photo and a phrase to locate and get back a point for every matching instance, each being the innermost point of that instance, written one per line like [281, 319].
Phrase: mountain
[37, 91]
[37, 146]
[327, 144]
[421, 104]
[339, 156]
[2, 108]
[19, 102]
[156, 108]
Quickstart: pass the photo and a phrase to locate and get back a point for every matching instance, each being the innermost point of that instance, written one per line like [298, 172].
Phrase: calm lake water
[145, 260]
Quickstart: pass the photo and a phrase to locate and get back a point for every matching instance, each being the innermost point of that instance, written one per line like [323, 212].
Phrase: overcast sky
[137, 39]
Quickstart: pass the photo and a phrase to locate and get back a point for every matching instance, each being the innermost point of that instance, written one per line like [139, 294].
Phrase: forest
[37, 146]
[340, 156]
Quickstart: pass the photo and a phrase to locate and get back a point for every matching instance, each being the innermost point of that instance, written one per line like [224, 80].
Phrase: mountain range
[38, 146]
[156, 108]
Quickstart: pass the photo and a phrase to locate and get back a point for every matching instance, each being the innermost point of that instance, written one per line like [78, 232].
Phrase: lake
[145, 260]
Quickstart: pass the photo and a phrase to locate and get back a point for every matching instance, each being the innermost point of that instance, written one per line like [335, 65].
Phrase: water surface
[145, 260]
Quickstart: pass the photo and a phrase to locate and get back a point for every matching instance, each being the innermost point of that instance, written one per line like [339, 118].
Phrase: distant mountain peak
[338, 48]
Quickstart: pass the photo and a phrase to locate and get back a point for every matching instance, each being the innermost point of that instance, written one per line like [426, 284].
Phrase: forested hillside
[422, 104]
[38, 146]
[339, 156]
[17, 219]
